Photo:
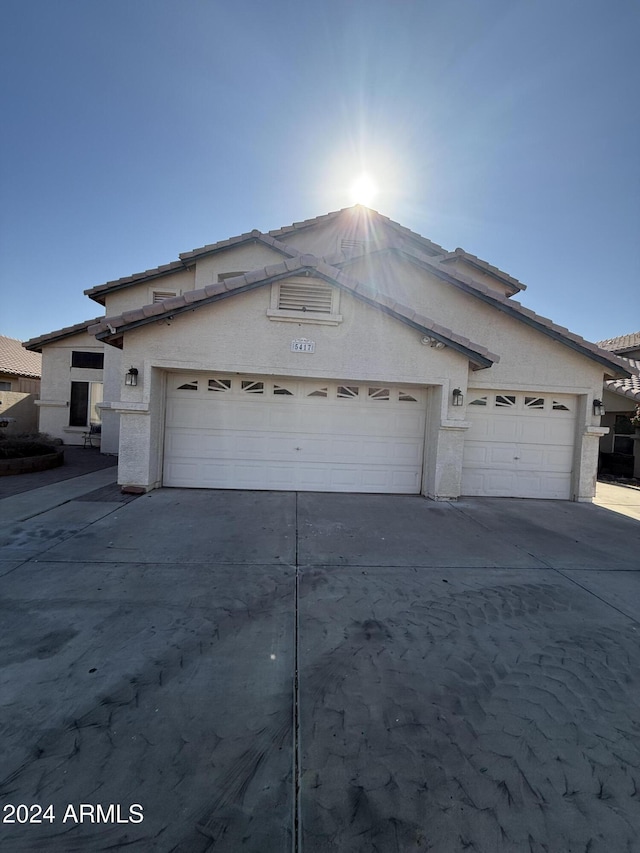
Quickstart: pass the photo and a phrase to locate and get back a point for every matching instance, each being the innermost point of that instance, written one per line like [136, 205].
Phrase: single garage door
[519, 445]
[250, 432]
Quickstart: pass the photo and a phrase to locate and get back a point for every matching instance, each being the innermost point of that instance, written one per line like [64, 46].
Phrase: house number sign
[303, 345]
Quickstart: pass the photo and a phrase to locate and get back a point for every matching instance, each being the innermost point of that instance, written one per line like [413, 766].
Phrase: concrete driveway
[266, 672]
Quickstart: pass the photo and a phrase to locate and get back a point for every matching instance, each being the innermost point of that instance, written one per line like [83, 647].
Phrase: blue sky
[137, 129]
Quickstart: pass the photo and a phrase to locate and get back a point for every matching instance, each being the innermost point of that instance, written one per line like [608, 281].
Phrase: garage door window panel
[534, 402]
[379, 394]
[348, 392]
[251, 386]
[507, 402]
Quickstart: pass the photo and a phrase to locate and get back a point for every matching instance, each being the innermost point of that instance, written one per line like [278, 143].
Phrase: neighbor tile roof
[621, 343]
[16, 361]
[111, 328]
[627, 387]
[36, 344]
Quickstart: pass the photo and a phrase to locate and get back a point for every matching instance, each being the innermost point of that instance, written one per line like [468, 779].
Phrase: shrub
[17, 448]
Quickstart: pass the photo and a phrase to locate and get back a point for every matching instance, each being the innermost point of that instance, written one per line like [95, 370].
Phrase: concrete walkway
[269, 672]
[622, 499]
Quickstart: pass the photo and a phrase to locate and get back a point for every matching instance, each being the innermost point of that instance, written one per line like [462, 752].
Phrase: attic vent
[349, 245]
[223, 276]
[161, 295]
[302, 296]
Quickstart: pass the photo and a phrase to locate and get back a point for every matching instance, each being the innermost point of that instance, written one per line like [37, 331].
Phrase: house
[619, 450]
[344, 353]
[19, 386]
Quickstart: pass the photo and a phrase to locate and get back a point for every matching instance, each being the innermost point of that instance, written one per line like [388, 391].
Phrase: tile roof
[373, 216]
[621, 343]
[370, 217]
[36, 344]
[99, 292]
[111, 328]
[627, 387]
[475, 261]
[617, 365]
[16, 361]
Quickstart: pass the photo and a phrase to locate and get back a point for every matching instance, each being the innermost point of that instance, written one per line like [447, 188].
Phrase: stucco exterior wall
[113, 378]
[236, 335]
[249, 256]
[136, 295]
[326, 238]
[21, 409]
[57, 375]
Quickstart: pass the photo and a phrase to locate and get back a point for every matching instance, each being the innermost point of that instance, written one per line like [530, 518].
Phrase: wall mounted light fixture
[458, 397]
[598, 408]
[131, 376]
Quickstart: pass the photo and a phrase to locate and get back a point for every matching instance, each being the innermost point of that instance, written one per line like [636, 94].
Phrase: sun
[363, 190]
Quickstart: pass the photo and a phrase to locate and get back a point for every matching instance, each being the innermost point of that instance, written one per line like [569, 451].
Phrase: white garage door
[250, 432]
[519, 445]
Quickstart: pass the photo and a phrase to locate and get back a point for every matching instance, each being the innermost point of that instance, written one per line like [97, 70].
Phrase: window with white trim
[305, 300]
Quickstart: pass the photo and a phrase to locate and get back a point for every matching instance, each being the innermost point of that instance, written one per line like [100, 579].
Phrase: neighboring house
[19, 386]
[344, 353]
[619, 450]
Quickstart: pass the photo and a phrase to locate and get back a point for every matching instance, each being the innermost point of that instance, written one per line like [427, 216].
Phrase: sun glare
[363, 190]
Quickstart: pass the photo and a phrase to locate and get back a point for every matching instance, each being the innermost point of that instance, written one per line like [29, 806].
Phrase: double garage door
[519, 445]
[249, 432]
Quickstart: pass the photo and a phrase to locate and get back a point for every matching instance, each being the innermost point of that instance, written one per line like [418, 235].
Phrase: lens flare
[363, 190]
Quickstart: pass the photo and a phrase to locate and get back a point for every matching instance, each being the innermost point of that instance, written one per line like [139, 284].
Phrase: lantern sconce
[131, 376]
[458, 397]
[598, 408]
